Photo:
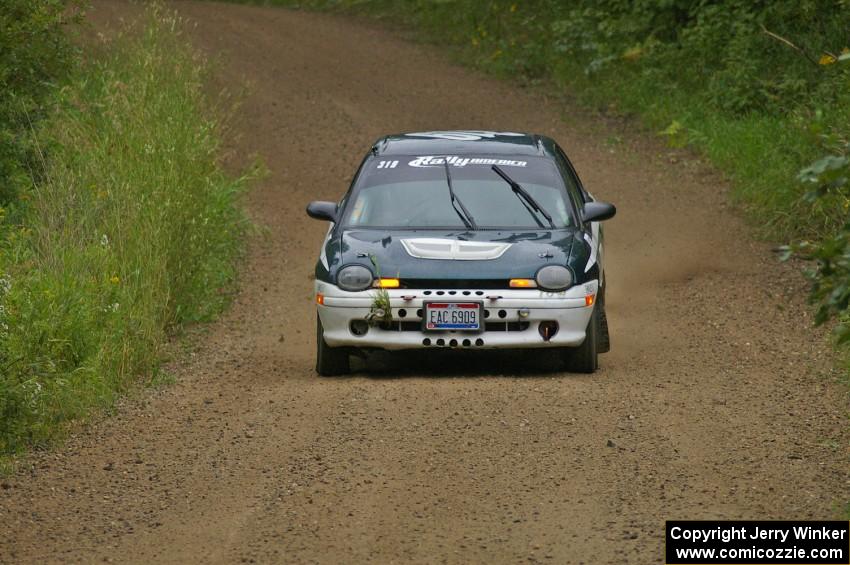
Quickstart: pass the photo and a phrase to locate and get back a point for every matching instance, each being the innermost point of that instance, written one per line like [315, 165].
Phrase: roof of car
[463, 142]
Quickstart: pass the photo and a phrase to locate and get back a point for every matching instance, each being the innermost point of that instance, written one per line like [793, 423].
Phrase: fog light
[547, 329]
[359, 327]
[523, 313]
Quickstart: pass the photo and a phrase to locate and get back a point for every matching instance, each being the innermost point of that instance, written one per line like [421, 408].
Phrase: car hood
[457, 255]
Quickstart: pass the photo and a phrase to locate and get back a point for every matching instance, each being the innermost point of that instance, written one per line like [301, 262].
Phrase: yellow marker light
[523, 283]
[589, 299]
[320, 298]
[387, 283]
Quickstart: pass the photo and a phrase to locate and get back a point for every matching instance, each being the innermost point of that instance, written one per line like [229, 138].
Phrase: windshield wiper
[524, 196]
[464, 215]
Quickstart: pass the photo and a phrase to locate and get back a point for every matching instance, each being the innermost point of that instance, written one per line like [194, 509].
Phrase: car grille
[485, 284]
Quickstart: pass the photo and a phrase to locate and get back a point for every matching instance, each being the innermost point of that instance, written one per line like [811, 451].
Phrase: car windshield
[412, 192]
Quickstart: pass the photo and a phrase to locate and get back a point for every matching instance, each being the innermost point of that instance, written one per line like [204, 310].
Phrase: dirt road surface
[716, 401]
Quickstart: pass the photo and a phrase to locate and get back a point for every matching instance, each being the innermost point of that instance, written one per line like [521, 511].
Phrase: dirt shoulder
[719, 400]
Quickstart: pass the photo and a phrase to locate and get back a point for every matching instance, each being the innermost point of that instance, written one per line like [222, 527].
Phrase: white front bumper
[569, 308]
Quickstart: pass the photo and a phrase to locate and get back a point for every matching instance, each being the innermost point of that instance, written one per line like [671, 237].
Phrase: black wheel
[585, 357]
[604, 345]
[330, 361]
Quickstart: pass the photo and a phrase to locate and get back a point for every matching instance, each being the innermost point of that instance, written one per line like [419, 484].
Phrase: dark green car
[462, 239]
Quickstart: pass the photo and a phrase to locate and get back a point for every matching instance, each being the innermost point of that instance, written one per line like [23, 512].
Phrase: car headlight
[554, 277]
[354, 277]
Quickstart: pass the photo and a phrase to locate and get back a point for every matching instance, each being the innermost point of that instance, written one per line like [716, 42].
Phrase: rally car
[462, 239]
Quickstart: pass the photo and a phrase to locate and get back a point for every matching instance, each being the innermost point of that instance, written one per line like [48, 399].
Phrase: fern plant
[381, 312]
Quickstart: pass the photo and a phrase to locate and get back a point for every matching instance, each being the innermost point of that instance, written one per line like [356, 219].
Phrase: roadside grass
[761, 153]
[130, 233]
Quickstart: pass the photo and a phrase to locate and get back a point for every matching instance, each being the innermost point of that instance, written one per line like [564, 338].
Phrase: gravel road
[716, 401]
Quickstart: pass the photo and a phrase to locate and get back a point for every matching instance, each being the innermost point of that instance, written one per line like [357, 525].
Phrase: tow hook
[548, 329]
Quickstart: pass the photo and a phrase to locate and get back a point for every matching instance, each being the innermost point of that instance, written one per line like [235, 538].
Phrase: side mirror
[321, 210]
[598, 211]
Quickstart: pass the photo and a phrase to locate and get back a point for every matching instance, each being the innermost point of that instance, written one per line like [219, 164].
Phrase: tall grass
[36, 53]
[131, 232]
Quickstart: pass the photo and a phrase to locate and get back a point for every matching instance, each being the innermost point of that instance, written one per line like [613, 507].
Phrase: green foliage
[728, 54]
[830, 275]
[130, 232]
[35, 55]
[381, 311]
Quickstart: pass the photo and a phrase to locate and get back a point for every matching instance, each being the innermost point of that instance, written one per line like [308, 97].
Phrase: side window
[570, 180]
[571, 174]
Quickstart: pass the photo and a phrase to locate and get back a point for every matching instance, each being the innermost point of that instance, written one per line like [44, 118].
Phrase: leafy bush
[131, 231]
[830, 276]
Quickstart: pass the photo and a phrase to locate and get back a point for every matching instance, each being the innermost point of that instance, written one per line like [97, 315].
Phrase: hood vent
[453, 249]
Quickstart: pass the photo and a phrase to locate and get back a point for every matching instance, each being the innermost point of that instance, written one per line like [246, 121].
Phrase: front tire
[330, 361]
[585, 357]
[604, 336]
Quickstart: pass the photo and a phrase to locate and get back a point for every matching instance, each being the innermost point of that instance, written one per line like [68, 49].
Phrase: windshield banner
[455, 161]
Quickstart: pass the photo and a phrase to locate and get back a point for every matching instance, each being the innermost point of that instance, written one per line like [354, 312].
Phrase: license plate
[464, 316]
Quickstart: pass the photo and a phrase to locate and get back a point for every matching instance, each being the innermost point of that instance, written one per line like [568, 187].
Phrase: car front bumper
[512, 317]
